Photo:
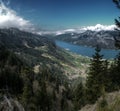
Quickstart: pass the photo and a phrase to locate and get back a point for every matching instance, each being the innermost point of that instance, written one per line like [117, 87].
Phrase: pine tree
[115, 74]
[95, 79]
[27, 95]
[117, 22]
[79, 97]
[106, 76]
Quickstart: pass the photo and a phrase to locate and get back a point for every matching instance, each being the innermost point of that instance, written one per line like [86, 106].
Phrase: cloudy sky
[55, 14]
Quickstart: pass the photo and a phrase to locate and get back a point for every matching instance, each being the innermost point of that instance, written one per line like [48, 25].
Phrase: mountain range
[105, 39]
[87, 36]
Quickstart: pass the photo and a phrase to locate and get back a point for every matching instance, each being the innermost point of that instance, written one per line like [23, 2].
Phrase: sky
[58, 14]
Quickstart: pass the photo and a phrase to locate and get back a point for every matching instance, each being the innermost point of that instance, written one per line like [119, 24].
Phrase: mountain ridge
[40, 51]
[105, 39]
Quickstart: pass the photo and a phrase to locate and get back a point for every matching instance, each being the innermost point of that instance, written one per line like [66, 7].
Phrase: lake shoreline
[86, 50]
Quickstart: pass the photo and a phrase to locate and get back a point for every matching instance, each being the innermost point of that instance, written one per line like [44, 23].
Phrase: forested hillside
[36, 73]
[39, 82]
[35, 91]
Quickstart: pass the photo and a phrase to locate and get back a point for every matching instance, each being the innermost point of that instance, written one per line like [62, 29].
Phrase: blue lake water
[86, 51]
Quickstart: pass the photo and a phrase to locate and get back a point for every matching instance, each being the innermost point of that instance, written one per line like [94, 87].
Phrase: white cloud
[99, 27]
[9, 18]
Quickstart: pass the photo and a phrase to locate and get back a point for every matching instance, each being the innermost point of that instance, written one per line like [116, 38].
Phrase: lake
[86, 51]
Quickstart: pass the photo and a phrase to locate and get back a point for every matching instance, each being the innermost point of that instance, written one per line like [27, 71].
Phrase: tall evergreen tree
[117, 22]
[115, 74]
[28, 77]
[79, 97]
[95, 78]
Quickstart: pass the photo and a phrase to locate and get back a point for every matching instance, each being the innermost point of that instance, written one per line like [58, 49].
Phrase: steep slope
[39, 51]
[34, 69]
[24, 42]
[10, 72]
[19, 84]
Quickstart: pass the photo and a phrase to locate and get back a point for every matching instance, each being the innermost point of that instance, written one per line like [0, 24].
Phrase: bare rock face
[9, 104]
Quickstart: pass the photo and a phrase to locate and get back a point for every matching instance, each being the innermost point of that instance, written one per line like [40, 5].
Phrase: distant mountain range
[88, 36]
[103, 38]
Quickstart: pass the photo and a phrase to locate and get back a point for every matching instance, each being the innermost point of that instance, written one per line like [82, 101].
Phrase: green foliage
[27, 95]
[117, 2]
[64, 104]
[117, 22]
[114, 74]
[116, 105]
[10, 81]
[95, 79]
[102, 105]
[10, 76]
[79, 97]
[43, 100]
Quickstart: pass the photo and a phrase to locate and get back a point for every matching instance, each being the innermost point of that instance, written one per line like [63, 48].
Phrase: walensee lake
[86, 51]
